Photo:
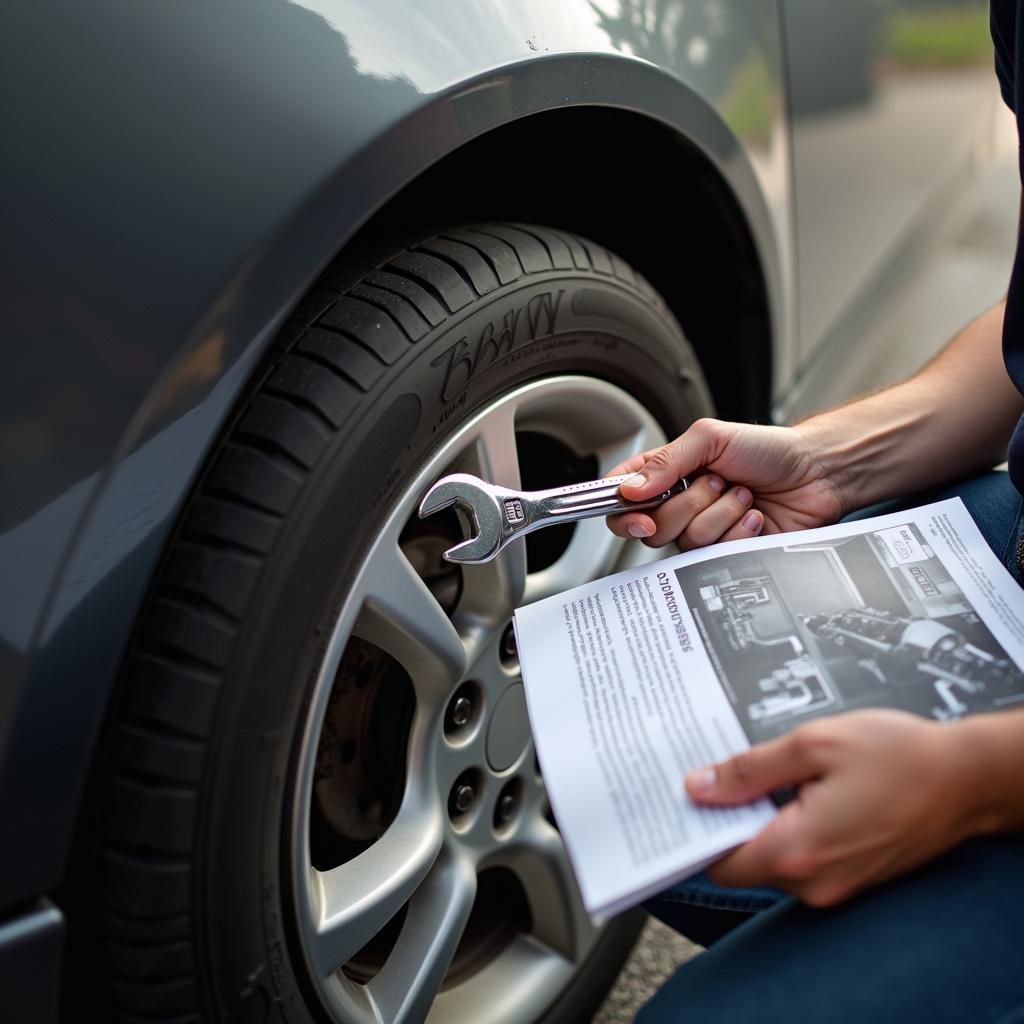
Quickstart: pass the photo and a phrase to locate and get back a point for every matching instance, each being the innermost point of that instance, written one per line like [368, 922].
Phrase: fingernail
[752, 521]
[637, 480]
[743, 496]
[702, 780]
[638, 530]
[716, 483]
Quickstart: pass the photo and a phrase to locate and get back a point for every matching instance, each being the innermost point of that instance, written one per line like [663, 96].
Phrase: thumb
[671, 462]
[784, 761]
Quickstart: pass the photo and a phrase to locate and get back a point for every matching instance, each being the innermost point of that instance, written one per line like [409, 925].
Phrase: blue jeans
[944, 943]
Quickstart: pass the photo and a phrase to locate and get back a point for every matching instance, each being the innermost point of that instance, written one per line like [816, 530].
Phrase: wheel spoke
[495, 588]
[401, 616]
[359, 897]
[636, 441]
[541, 863]
[434, 923]
[519, 985]
[593, 552]
[492, 454]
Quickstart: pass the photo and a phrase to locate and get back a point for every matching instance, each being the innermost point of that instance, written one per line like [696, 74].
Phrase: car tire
[253, 677]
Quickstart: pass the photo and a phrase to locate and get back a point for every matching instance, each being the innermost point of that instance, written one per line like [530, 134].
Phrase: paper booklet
[633, 680]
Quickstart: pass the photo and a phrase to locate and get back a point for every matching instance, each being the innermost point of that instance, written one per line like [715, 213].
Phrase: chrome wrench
[499, 514]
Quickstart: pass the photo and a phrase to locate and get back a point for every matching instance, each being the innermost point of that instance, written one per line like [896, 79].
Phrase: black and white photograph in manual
[869, 620]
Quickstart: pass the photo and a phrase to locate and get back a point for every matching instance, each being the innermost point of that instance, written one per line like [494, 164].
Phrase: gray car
[270, 270]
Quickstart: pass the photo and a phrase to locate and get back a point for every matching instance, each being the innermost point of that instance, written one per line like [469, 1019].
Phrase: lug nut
[464, 795]
[507, 804]
[462, 799]
[462, 710]
[508, 653]
[506, 808]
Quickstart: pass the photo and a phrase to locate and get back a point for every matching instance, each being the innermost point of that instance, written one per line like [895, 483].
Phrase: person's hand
[880, 792]
[744, 480]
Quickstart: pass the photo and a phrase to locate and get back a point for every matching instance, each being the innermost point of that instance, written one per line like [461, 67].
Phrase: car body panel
[178, 177]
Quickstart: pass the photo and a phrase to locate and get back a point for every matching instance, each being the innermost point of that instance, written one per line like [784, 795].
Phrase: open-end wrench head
[499, 515]
[481, 506]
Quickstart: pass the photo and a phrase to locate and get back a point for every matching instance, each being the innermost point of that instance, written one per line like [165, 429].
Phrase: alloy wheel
[428, 874]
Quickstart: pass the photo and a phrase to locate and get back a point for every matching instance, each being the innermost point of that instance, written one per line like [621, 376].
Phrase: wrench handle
[592, 498]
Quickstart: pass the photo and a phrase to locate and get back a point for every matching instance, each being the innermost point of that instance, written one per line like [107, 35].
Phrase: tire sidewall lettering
[518, 333]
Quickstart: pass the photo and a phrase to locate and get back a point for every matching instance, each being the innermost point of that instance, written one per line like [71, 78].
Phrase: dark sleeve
[1002, 16]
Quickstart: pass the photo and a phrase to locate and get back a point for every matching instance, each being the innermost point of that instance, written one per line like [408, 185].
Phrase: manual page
[633, 680]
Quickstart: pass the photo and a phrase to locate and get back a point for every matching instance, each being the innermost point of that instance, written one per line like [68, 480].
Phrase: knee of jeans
[672, 1004]
[655, 1011]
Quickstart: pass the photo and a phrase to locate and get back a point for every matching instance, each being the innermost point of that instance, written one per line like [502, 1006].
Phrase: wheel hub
[508, 733]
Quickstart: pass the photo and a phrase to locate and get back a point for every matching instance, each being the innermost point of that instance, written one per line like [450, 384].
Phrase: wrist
[870, 450]
[985, 755]
[826, 453]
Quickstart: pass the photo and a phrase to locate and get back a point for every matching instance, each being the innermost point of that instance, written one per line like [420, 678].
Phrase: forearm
[953, 418]
[990, 751]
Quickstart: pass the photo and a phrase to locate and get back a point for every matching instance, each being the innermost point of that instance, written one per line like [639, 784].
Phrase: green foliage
[937, 38]
[750, 103]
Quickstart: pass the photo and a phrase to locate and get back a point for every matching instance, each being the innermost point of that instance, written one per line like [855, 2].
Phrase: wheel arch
[397, 171]
[642, 188]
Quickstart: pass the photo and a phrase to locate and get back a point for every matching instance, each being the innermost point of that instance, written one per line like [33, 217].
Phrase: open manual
[633, 680]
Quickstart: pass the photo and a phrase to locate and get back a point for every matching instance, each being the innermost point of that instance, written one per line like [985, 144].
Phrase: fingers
[729, 518]
[632, 464]
[750, 525]
[772, 857]
[665, 523]
[662, 467]
[792, 853]
[708, 511]
[788, 760]
[704, 513]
